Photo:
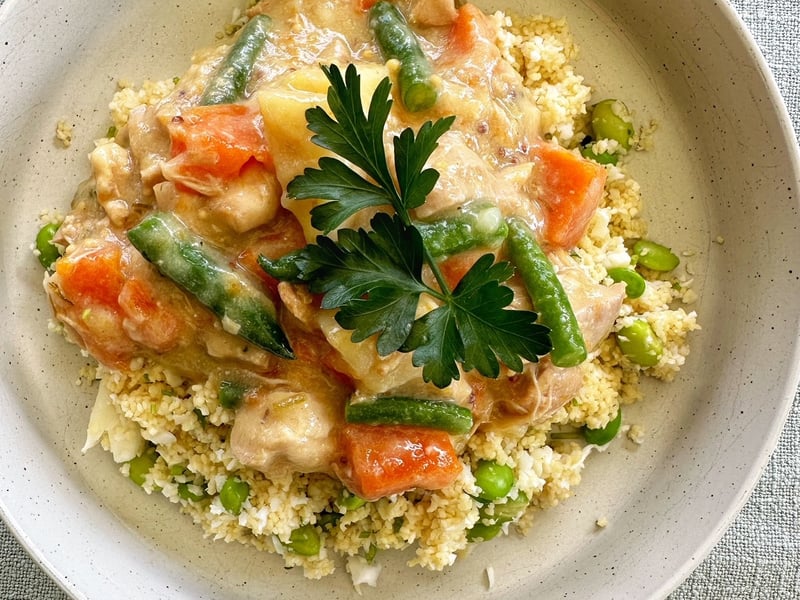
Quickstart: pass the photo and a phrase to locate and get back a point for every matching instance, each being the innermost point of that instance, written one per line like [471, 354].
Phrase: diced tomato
[468, 28]
[381, 460]
[569, 188]
[216, 141]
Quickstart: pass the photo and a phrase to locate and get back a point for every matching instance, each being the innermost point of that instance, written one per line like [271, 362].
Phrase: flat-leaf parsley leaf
[375, 277]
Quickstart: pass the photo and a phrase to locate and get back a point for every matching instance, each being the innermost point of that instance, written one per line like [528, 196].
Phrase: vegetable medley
[367, 275]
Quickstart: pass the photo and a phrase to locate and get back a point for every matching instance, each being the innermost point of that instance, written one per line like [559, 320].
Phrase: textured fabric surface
[759, 556]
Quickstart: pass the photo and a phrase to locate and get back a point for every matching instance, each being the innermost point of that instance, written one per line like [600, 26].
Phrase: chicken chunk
[288, 425]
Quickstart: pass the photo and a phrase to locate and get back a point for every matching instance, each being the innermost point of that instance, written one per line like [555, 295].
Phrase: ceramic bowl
[721, 184]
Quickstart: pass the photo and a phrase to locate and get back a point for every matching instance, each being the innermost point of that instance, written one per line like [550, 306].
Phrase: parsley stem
[426, 255]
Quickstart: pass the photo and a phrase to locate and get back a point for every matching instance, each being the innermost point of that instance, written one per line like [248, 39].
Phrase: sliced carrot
[217, 140]
[381, 460]
[569, 188]
[468, 28]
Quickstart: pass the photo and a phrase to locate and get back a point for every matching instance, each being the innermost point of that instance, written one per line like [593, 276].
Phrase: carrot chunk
[217, 140]
[381, 460]
[569, 187]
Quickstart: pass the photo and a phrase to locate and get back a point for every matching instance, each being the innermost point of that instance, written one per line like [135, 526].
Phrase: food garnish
[375, 277]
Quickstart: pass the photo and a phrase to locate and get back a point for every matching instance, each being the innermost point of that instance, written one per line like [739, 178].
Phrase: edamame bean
[511, 508]
[483, 532]
[603, 158]
[233, 494]
[305, 541]
[349, 501]
[191, 492]
[635, 284]
[640, 344]
[47, 252]
[654, 256]
[600, 437]
[611, 120]
[494, 479]
[139, 467]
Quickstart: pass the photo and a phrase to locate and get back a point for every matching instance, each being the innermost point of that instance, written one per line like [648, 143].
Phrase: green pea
[600, 437]
[48, 253]
[233, 494]
[348, 501]
[634, 283]
[187, 492]
[611, 120]
[495, 480]
[305, 541]
[482, 532]
[139, 467]
[654, 256]
[604, 158]
[231, 393]
[640, 344]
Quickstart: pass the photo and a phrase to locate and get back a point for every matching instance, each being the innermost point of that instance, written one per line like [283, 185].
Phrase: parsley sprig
[374, 277]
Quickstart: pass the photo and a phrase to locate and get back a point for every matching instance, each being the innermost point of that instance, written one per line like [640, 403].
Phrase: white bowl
[725, 169]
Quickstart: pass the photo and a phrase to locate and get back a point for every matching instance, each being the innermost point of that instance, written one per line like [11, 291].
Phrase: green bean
[547, 294]
[47, 252]
[349, 501]
[478, 224]
[611, 120]
[635, 284]
[600, 437]
[396, 41]
[494, 479]
[305, 541]
[230, 81]
[654, 256]
[640, 344]
[186, 259]
[233, 494]
[402, 410]
[139, 467]
[231, 393]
